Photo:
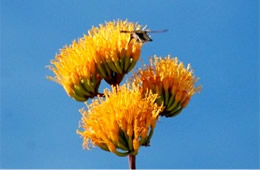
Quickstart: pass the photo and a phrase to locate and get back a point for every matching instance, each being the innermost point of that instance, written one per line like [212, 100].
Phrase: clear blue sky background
[219, 128]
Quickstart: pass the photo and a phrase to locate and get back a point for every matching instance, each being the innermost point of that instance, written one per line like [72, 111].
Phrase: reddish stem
[132, 162]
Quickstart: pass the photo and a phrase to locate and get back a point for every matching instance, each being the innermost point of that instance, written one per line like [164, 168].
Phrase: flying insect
[141, 35]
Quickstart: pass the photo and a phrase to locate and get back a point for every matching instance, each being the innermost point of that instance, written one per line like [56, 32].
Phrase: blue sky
[218, 129]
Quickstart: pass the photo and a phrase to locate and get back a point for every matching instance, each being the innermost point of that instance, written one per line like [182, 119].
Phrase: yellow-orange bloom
[103, 53]
[75, 69]
[121, 122]
[116, 55]
[168, 78]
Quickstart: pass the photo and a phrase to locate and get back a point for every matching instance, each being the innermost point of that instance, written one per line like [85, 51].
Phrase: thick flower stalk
[75, 69]
[173, 83]
[116, 53]
[121, 122]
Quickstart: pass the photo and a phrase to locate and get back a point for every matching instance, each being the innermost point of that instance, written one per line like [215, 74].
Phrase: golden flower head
[121, 122]
[75, 69]
[104, 53]
[168, 78]
[116, 52]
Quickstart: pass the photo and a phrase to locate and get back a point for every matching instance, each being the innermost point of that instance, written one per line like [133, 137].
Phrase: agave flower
[75, 69]
[104, 53]
[121, 122]
[116, 52]
[168, 78]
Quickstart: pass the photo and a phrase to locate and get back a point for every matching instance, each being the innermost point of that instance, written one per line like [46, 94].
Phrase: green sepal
[91, 86]
[122, 138]
[80, 91]
[146, 140]
[159, 100]
[119, 70]
[121, 56]
[101, 70]
[93, 79]
[170, 101]
[108, 70]
[175, 112]
[78, 98]
[121, 63]
[126, 63]
[121, 154]
[176, 108]
[132, 64]
[86, 86]
[121, 146]
[105, 148]
[173, 106]
[166, 97]
[112, 66]
[130, 143]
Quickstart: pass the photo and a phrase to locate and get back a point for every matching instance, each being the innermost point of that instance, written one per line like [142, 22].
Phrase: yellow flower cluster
[76, 71]
[115, 55]
[103, 53]
[122, 121]
[168, 78]
[124, 118]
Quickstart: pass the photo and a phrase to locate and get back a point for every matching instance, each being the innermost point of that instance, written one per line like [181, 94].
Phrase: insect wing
[157, 31]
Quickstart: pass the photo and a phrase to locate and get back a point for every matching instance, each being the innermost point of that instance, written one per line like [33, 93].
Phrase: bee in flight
[141, 35]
